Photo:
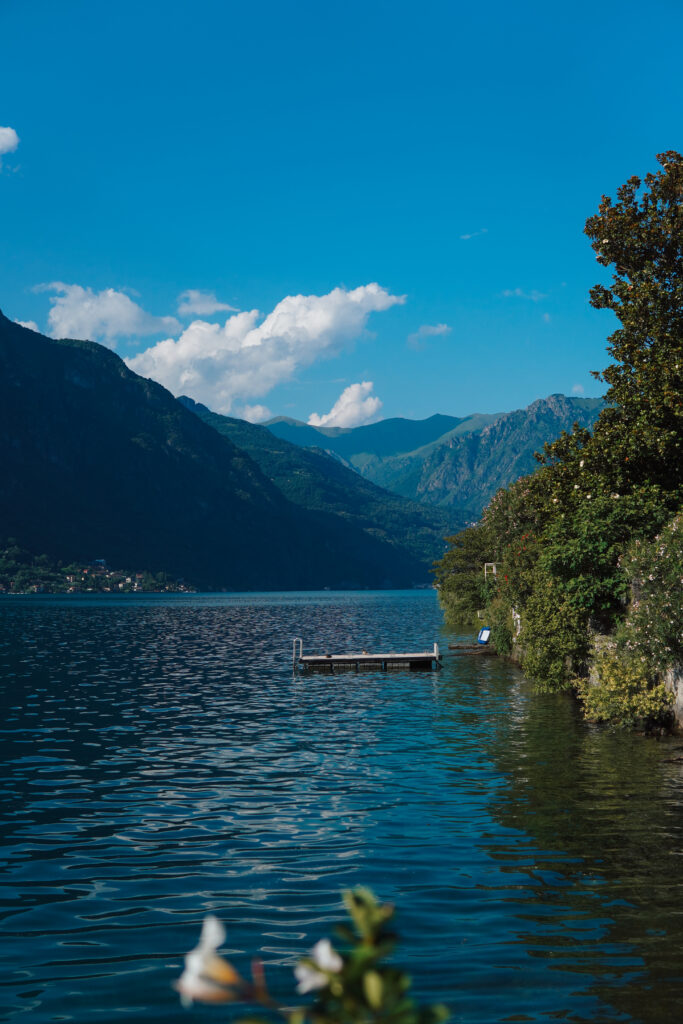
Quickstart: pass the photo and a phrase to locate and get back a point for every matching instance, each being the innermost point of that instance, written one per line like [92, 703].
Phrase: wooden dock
[411, 660]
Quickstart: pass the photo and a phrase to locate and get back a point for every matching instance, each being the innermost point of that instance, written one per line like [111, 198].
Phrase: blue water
[161, 760]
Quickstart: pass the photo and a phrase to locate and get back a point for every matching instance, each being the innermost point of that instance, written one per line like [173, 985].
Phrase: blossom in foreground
[207, 976]
[324, 959]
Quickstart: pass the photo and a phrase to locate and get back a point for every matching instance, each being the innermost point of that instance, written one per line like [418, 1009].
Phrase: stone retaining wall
[673, 680]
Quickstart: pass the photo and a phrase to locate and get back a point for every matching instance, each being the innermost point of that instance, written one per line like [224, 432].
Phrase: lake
[161, 760]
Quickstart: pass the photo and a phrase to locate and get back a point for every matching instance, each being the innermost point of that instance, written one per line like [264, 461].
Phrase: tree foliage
[653, 628]
[559, 536]
[641, 237]
[625, 693]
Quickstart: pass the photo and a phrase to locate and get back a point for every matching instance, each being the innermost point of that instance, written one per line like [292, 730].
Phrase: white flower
[581, 464]
[576, 487]
[206, 974]
[325, 958]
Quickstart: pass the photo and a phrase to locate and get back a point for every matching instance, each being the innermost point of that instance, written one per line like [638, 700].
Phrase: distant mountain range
[320, 483]
[98, 462]
[454, 463]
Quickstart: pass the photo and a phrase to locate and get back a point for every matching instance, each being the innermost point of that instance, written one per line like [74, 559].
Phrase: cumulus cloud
[100, 316]
[577, 389]
[255, 413]
[247, 356]
[31, 324]
[9, 140]
[201, 304]
[354, 407]
[519, 293]
[416, 339]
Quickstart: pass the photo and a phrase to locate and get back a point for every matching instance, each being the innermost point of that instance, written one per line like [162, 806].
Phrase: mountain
[388, 437]
[460, 467]
[314, 480]
[98, 462]
[466, 471]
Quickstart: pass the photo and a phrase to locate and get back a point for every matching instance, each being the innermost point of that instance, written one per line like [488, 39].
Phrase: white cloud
[354, 407]
[101, 316]
[255, 413]
[201, 303]
[519, 293]
[31, 324]
[9, 140]
[474, 234]
[577, 389]
[427, 331]
[245, 358]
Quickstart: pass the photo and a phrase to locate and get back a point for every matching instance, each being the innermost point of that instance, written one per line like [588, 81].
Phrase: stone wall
[673, 680]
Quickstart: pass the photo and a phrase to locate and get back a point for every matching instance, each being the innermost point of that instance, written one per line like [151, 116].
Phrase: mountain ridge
[317, 481]
[464, 466]
[98, 462]
[386, 437]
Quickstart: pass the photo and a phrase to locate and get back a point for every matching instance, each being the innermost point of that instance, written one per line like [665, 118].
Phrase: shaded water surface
[160, 760]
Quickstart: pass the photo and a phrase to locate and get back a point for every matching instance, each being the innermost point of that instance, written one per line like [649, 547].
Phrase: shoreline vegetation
[578, 566]
[23, 573]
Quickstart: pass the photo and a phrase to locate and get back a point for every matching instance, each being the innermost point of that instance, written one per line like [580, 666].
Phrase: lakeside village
[23, 573]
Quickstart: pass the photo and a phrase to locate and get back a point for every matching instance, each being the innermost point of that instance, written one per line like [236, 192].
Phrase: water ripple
[162, 761]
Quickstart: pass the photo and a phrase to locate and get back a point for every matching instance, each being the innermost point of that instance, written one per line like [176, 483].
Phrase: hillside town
[24, 573]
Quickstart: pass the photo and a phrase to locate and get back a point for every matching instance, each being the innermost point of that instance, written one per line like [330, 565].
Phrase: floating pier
[412, 660]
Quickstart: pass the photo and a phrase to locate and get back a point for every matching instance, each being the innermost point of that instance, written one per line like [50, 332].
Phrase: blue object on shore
[484, 635]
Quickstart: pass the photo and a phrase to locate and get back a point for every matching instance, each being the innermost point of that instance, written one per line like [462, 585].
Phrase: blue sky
[171, 153]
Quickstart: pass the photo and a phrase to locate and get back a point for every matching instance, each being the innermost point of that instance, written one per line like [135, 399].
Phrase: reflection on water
[162, 760]
[602, 818]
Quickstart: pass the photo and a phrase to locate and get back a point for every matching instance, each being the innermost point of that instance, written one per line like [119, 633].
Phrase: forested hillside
[98, 462]
[458, 464]
[318, 482]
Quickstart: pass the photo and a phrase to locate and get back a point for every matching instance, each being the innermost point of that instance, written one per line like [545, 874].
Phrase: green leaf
[373, 988]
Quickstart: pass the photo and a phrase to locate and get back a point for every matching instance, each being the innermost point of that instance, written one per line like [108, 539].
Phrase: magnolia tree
[641, 237]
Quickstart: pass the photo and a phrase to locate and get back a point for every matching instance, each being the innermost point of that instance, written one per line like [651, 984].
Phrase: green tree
[641, 236]
[559, 536]
[460, 574]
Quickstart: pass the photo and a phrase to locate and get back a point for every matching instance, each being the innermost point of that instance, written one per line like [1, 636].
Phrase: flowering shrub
[625, 695]
[653, 629]
[352, 984]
